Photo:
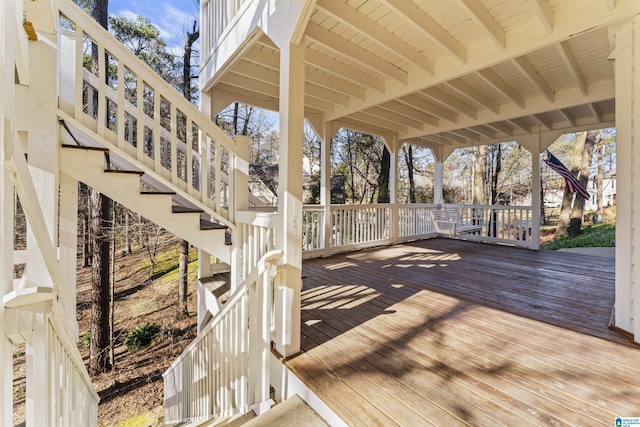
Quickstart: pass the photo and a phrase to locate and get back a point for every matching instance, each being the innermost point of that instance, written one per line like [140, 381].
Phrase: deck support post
[440, 154]
[241, 197]
[288, 284]
[626, 54]
[7, 98]
[393, 189]
[325, 185]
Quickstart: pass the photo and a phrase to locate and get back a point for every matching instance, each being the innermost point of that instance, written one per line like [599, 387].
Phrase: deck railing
[126, 106]
[255, 236]
[225, 370]
[355, 227]
[73, 400]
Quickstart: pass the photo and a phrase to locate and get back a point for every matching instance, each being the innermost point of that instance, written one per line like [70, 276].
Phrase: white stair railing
[125, 106]
[225, 370]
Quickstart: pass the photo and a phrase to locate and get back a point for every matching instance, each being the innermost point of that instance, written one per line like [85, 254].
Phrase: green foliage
[141, 336]
[600, 235]
[86, 339]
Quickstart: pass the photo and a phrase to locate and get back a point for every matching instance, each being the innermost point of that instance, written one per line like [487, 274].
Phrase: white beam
[534, 77]
[366, 127]
[467, 90]
[497, 82]
[325, 94]
[389, 125]
[448, 100]
[350, 16]
[483, 18]
[545, 13]
[325, 80]
[408, 111]
[345, 71]
[355, 53]
[568, 115]
[501, 127]
[423, 23]
[544, 120]
[386, 114]
[521, 124]
[572, 65]
[595, 110]
[466, 133]
[484, 130]
[416, 101]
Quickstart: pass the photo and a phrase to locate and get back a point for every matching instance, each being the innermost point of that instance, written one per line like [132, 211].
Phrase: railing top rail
[76, 15]
[260, 268]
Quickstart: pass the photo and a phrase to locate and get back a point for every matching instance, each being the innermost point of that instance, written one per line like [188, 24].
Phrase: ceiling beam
[572, 65]
[343, 70]
[393, 116]
[466, 89]
[568, 115]
[533, 76]
[497, 82]
[595, 110]
[350, 16]
[319, 78]
[264, 57]
[483, 18]
[364, 126]
[325, 94]
[501, 127]
[422, 22]
[434, 139]
[466, 133]
[545, 13]
[543, 120]
[354, 53]
[379, 122]
[522, 124]
[407, 110]
[453, 137]
[484, 130]
[421, 104]
[450, 101]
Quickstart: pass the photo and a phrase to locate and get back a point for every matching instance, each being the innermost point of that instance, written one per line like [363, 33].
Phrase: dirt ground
[133, 390]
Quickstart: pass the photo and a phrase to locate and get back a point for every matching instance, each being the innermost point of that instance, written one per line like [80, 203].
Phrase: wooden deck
[445, 332]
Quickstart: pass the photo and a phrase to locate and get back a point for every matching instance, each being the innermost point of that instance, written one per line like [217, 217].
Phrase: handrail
[135, 113]
[225, 369]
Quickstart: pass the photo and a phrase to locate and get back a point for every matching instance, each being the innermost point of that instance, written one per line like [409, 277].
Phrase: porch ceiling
[446, 73]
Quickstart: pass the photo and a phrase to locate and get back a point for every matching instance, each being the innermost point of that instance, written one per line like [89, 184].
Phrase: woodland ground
[132, 393]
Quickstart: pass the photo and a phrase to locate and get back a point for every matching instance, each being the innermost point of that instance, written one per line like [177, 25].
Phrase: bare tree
[100, 220]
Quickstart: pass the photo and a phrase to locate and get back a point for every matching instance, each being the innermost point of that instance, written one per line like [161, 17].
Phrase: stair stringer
[88, 166]
[86, 133]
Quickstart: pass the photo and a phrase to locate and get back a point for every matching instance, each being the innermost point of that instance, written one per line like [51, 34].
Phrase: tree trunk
[183, 310]
[383, 178]
[480, 158]
[408, 158]
[127, 232]
[583, 166]
[100, 220]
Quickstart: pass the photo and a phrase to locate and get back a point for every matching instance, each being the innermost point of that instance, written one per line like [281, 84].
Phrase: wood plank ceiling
[445, 72]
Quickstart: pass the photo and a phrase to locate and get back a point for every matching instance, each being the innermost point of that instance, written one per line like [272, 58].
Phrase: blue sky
[172, 17]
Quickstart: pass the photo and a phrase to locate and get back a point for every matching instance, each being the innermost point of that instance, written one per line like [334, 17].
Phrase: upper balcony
[442, 74]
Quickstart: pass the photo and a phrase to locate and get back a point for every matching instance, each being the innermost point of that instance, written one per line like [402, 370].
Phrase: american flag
[573, 185]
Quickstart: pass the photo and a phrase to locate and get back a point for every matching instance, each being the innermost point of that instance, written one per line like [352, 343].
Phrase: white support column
[7, 70]
[626, 37]
[288, 285]
[437, 182]
[68, 248]
[38, 116]
[535, 200]
[325, 185]
[241, 197]
[204, 270]
[393, 188]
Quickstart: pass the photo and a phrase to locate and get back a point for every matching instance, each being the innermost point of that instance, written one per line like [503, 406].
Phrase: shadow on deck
[446, 332]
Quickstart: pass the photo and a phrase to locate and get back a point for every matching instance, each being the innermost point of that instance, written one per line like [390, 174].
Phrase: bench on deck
[448, 222]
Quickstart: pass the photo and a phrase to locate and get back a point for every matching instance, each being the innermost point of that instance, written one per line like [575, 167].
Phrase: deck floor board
[447, 332]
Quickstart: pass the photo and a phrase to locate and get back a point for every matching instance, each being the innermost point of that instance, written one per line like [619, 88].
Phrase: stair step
[124, 171]
[218, 284]
[292, 412]
[208, 225]
[185, 209]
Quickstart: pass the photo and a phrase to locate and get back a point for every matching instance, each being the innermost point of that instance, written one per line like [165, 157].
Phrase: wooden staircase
[93, 166]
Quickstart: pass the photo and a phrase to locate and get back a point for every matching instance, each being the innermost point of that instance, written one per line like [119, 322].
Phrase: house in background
[442, 74]
[608, 191]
